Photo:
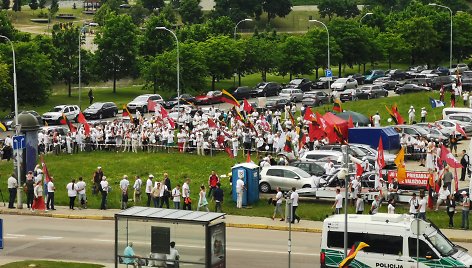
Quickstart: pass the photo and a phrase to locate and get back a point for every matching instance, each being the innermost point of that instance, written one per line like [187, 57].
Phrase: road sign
[1, 234]
[19, 142]
[328, 73]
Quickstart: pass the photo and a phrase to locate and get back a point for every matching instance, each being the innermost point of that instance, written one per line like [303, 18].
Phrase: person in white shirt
[443, 194]
[138, 183]
[240, 187]
[149, 190]
[278, 205]
[423, 114]
[12, 189]
[327, 167]
[186, 195]
[294, 197]
[81, 191]
[51, 189]
[72, 193]
[422, 207]
[411, 115]
[124, 184]
[176, 196]
[173, 256]
[414, 205]
[376, 119]
[338, 202]
[391, 206]
[374, 209]
[354, 187]
[359, 204]
[104, 185]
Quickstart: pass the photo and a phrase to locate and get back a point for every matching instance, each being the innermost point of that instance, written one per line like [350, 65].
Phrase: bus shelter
[199, 238]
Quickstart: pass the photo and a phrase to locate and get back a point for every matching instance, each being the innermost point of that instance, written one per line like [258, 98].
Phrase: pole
[17, 127]
[346, 163]
[80, 66]
[178, 63]
[329, 58]
[450, 45]
[417, 243]
[289, 216]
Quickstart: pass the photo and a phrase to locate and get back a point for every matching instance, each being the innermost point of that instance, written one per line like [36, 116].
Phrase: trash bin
[249, 172]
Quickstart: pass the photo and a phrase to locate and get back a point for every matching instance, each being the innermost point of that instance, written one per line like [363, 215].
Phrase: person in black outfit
[218, 197]
[29, 184]
[451, 208]
[167, 193]
[465, 164]
[90, 95]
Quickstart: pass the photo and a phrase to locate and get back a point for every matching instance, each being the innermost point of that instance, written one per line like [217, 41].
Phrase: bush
[43, 14]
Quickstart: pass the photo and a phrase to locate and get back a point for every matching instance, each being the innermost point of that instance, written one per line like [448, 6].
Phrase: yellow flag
[400, 163]
[2, 127]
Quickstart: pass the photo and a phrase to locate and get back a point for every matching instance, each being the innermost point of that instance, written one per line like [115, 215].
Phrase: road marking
[273, 252]
[18, 235]
[104, 240]
[49, 238]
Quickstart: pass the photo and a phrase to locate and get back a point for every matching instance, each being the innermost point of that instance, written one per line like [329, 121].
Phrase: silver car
[343, 84]
[292, 94]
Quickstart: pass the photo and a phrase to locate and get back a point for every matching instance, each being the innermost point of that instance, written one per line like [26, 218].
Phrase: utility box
[250, 174]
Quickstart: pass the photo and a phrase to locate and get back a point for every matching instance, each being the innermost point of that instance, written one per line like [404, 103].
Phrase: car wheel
[344, 88]
[264, 187]
[145, 109]
[306, 186]
[100, 115]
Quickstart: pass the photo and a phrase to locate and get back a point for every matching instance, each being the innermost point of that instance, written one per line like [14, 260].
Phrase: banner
[413, 178]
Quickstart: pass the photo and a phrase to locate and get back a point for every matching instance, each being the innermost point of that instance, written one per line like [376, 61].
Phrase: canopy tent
[333, 120]
[357, 118]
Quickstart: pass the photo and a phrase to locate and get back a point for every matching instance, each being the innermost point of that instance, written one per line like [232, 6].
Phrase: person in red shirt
[213, 180]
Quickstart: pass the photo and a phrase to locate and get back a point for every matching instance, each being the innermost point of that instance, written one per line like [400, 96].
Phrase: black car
[411, 88]
[353, 94]
[99, 110]
[466, 79]
[301, 83]
[315, 98]
[322, 82]
[442, 71]
[244, 93]
[359, 77]
[310, 167]
[184, 99]
[396, 74]
[9, 120]
[374, 91]
[266, 89]
[387, 83]
[274, 105]
[440, 81]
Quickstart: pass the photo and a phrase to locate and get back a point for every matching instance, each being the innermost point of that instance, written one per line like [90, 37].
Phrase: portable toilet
[249, 172]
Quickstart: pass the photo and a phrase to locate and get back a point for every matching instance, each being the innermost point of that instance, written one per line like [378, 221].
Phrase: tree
[392, 46]
[152, 4]
[237, 9]
[191, 12]
[153, 41]
[295, 56]
[33, 4]
[222, 57]
[6, 89]
[138, 14]
[54, 8]
[17, 5]
[277, 8]
[341, 8]
[193, 33]
[42, 4]
[5, 4]
[319, 48]
[6, 27]
[462, 24]
[221, 26]
[116, 54]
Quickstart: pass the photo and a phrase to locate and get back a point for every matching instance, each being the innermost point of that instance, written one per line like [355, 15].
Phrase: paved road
[28, 237]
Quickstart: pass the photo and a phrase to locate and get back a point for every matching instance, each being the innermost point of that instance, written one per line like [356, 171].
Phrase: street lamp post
[450, 45]
[236, 26]
[17, 127]
[365, 15]
[329, 58]
[80, 66]
[178, 63]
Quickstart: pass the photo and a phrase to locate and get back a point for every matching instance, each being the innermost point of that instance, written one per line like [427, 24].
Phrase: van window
[382, 244]
[424, 248]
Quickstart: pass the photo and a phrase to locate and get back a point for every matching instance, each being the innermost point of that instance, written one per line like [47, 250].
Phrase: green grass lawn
[49, 264]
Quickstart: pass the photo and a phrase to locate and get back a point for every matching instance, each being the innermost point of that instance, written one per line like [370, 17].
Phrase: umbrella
[357, 118]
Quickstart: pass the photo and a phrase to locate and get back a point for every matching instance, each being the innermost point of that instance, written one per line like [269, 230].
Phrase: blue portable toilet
[250, 174]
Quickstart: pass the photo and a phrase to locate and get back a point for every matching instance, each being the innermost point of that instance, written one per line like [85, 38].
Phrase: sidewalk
[234, 221]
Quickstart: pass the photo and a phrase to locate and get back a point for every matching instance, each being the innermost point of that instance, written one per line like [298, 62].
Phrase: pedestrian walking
[338, 202]
[186, 195]
[29, 188]
[443, 194]
[81, 185]
[12, 189]
[51, 189]
[218, 197]
[138, 183]
[240, 188]
[164, 195]
[124, 184]
[149, 189]
[176, 194]
[411, 115]
[213, 179]
[90, 95]
[202, 201]
[451, 209]
[465, 210]
[413, 205]
[71, 193]
[38, 203]
[465, 161]
[447, 180]
[104, 191]
[278, 205]
[97, 179]
[294, 197]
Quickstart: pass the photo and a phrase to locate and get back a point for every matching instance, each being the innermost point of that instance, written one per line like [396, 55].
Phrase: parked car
[318, 155]
[416, 132]
[284, 177]
[54, 116]
[436, 134]
[372, 75]
[353, 151]
[411, 88]
[315, 98]
[211, 97]
[352, 94]
[184, 99]
[141, 102]
[442, 71]
[389, 158]
[310, 167]
[451, 124]
[344, 83]
[442, 81]
[458, 68]
[412, 71]
[293, 94]
[322, 82]
[466, 80]
[396, 74]
[359, 78]
[277, 105]
[9, 120]
[100, 110]
[301, 83]
[462, 117]
[374, 91]
[266, 89]
[244, 93]
[386, 82]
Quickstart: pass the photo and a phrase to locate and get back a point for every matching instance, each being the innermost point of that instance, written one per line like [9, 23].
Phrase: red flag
[302, 141]
[461, 131]
[380, 155]
[151, 105]
[248, 158]
[247, 107]
[309, 116]
[400, 119]
[65, 121]
[350, 124]
[229, 152]
[211, 123]
[456, 180]
[311, 132]
[127, 113]
[171, 122]
[164, 113]
[47, 178]
[81, 119]
[447, 156]
[359, 169]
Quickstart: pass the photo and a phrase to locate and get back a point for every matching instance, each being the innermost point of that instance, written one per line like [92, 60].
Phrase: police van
[392, 240]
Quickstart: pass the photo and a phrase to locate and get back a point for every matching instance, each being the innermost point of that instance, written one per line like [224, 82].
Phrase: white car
[323, 155]
[141, 102]
[460, 68]
[292, 94]
[285, 177]
[344, 83]
[451, 125]
[462, 117]
[54, 116]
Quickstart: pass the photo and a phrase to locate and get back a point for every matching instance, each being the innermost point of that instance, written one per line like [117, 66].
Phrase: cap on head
[151, 176]
[104, 178]
[99, 167]
[463, 193]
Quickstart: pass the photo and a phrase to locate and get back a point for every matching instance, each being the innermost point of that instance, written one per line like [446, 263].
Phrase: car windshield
[141, 98]
[286, 91]
[358, 151]
[422, 131]
[441, 243]
[261, 85]
[341, 80]
[366, 88]
[96, 105]
[269, 103]
[56, 109]
[303, 174]
[296, 82]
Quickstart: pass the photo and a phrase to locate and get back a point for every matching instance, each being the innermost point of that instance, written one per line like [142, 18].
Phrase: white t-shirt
[71, 189]
[413, 203]
[391, 209]
[137, 184]
[294, 197]
[339, 201]
[124, 183]
[239, 185]
[148, 186]
[185, 190]
[176, 195]
[422, 203]
[50, 187]
[278, 197]
[104, 185]
[81, 187]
